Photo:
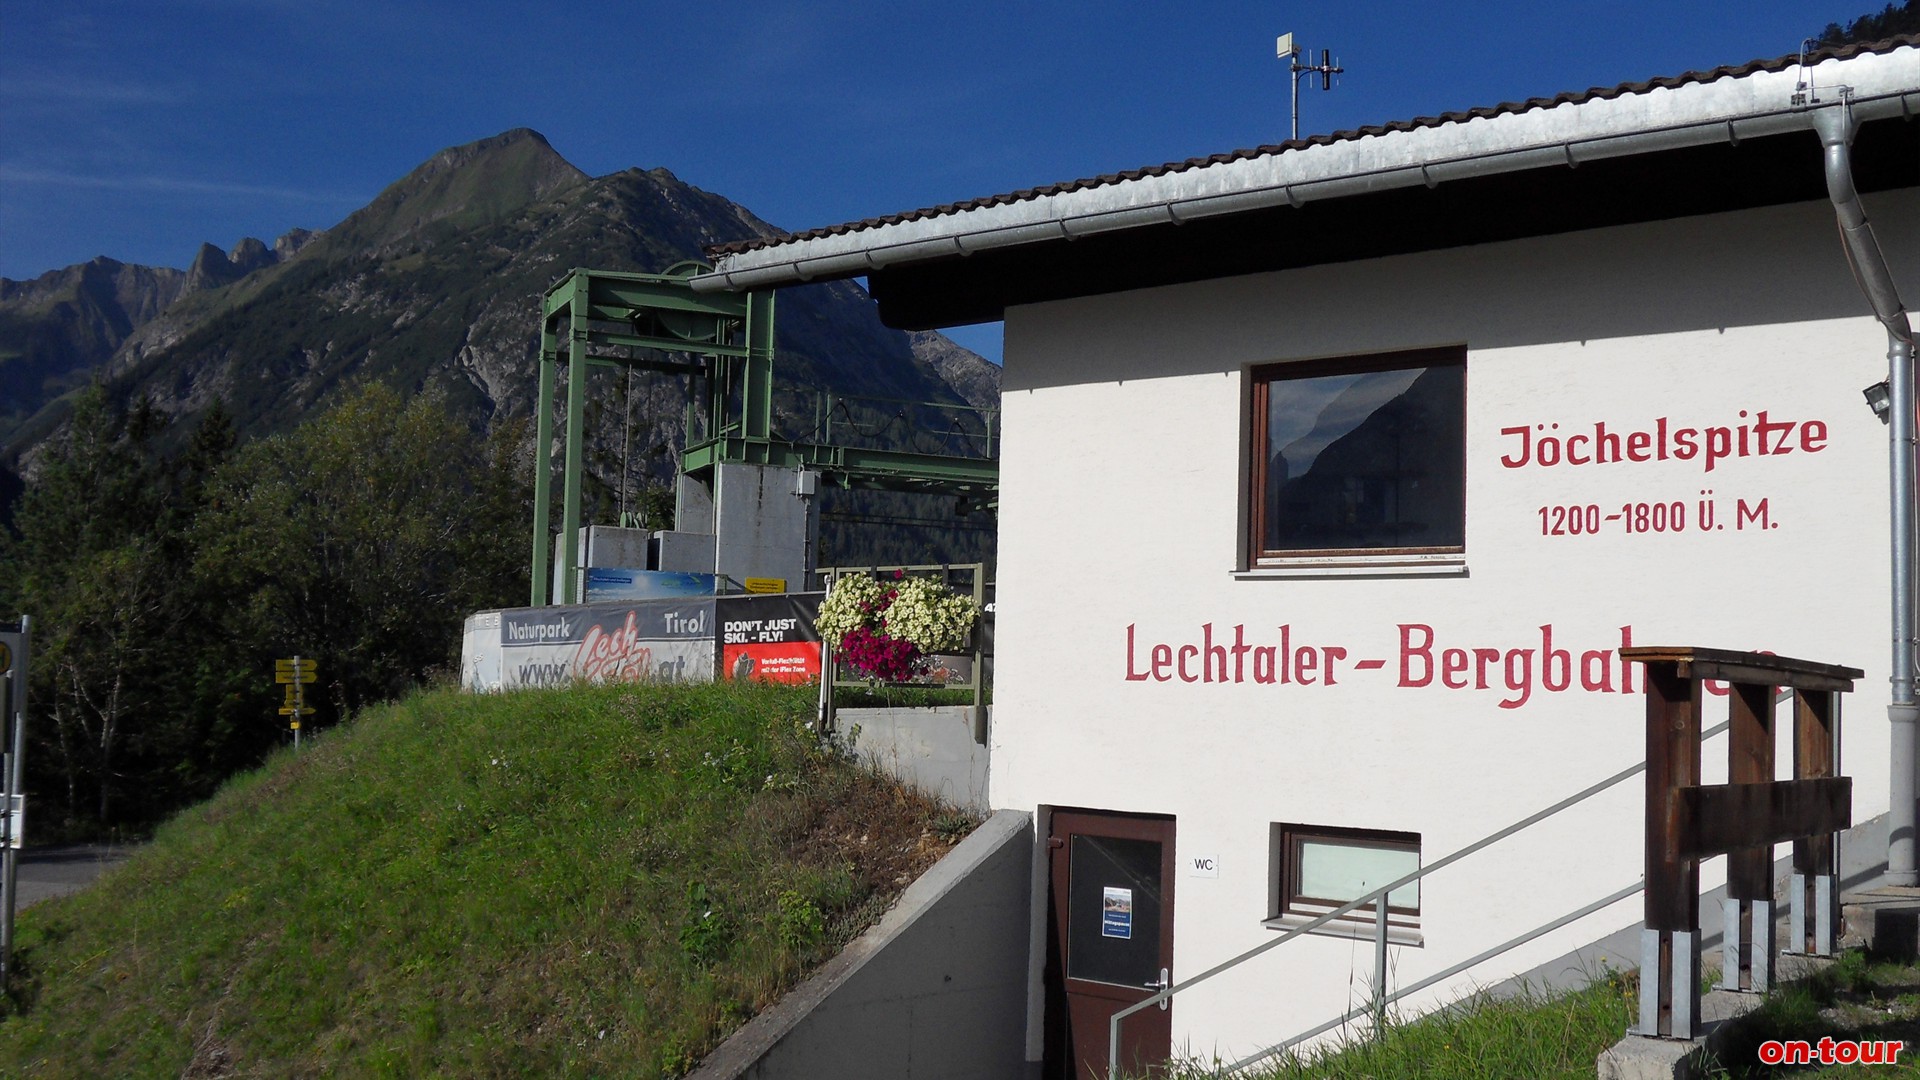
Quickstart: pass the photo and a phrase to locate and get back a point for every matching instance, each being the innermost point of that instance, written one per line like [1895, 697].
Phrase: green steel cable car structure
[723, 343]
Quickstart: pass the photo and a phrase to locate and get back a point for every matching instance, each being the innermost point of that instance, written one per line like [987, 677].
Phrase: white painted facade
[1122, 511]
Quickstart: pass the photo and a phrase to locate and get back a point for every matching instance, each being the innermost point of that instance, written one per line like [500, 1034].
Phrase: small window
[1316, 869]
[1363, 456]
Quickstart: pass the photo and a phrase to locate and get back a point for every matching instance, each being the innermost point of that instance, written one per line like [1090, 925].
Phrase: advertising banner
[611, 584]
[953, 672]
[638, 641]
[770, 638]
[480, 652]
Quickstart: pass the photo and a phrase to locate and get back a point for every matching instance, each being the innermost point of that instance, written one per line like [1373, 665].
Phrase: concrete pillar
[764, 528]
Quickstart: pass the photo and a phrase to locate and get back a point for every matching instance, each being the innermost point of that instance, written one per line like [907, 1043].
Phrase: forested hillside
[163, 585]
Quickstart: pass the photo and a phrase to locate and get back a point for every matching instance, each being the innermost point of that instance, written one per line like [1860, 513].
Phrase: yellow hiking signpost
[296, 674]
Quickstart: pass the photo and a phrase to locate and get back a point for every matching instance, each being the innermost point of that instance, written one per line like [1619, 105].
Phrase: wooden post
[1815, 879]
[1747, 914]
[1670, 972]
[1743, 819]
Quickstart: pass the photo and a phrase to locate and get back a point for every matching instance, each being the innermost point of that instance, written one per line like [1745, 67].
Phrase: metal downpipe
[1902, 712]
[1836, 126]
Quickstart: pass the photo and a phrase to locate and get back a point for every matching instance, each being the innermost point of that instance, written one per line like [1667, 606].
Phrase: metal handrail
[1377, 1006]
[1376, 900]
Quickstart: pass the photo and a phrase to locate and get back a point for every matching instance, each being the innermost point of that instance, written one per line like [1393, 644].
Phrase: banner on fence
[480, 652]
[640, 641]
[769, 638]
[609, 585]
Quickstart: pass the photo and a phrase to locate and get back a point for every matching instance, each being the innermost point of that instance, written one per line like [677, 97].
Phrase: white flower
[923, 611]
[931, 615]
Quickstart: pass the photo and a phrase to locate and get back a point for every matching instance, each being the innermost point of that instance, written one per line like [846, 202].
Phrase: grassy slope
[1535, 1036]
[587, 882]
[1855, 999]
[1530, 1037]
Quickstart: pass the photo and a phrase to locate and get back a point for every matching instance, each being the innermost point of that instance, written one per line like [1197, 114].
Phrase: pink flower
[878, 656]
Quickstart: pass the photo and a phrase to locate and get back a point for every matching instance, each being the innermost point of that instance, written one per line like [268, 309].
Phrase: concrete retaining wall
[930, 749]
[938, 989]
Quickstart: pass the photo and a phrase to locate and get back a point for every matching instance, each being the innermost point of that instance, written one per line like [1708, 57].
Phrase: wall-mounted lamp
[1879, 400]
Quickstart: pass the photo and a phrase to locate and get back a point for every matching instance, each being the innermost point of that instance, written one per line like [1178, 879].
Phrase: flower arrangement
[887, 629]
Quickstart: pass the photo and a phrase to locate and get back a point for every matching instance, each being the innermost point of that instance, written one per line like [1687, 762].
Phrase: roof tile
[1601, 93]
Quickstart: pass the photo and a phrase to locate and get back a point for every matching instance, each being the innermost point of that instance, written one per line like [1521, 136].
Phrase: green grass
[890, 696]
[1857, 998]
[1536, 1036]
[592, 882]
[1550, 1036]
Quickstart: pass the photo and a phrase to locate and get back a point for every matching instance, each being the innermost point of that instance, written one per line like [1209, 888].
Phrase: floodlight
[1880, 400]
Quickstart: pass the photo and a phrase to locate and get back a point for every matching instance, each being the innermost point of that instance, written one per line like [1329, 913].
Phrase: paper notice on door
[1116, 912]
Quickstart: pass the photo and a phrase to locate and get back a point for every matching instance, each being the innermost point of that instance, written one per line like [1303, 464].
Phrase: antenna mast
[1285, 49]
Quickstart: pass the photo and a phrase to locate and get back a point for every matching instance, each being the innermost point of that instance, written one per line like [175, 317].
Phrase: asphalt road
[56, 871]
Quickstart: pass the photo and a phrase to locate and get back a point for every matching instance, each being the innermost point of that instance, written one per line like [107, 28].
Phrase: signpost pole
[824, 723]
[295, 674]
[6, 831]
[16, 803]
[13, 722]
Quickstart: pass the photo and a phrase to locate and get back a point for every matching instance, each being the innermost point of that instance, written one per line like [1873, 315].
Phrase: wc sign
[1203, 866]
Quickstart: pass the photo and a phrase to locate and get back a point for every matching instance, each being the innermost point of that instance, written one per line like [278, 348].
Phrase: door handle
[1161, 985]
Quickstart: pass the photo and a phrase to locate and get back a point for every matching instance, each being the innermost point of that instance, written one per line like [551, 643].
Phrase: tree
[105, 647]
[95, 562]
[363, 539]
[164, 587]
[1890, 21]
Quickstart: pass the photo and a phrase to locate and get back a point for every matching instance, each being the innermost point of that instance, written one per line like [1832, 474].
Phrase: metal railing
[1376, 900]
[1377, 1007]
[921, 427]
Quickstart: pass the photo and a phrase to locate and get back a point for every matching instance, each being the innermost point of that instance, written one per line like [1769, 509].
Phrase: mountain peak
[516, 146]
[291, 241]
[472, 184]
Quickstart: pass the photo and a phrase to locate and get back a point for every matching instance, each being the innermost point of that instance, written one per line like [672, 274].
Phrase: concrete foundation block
[1885, 921]
[1638, 1057]
[1799, 967]
[931, 749]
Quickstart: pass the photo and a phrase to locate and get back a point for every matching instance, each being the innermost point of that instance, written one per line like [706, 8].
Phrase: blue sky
[139, 129]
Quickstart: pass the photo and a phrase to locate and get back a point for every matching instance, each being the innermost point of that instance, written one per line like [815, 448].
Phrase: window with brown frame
[1360, 456]
[1316, 869]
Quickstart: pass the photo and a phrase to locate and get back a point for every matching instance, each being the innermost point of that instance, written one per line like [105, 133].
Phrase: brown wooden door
[1112, 939]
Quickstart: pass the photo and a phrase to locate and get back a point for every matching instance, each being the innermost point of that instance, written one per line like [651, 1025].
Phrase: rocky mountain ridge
[433, 287]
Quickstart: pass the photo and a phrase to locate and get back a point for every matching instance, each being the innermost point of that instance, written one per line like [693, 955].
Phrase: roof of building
[1781, 63]
[1678, 115]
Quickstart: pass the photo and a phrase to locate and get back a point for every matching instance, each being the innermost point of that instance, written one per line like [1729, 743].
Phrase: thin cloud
[86, 92]
[164, 185]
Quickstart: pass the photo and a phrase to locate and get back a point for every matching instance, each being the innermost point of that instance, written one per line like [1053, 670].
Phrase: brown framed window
[1359, 456]
[1317, 868]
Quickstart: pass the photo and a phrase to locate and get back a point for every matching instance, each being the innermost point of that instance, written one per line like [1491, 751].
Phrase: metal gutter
[1757, 105]
[1836, 124]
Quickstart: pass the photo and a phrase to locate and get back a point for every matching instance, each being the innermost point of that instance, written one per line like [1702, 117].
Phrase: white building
[1336, 473]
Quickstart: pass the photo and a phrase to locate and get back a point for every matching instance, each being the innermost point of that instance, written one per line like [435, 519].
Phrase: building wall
[1121, 511]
